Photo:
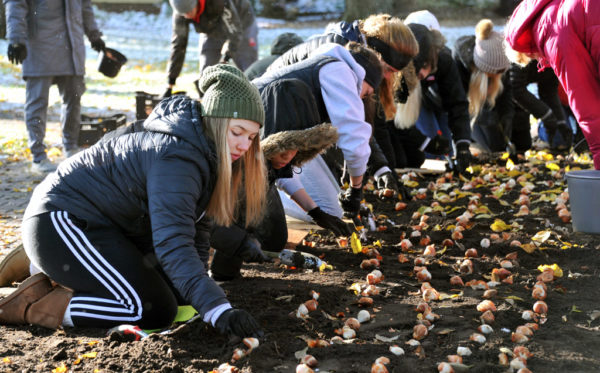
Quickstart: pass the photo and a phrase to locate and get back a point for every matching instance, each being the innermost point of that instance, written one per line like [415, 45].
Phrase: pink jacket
[565, 35]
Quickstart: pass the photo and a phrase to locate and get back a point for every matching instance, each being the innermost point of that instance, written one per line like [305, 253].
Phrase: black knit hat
[227, 93]
[425, 40]
[284, 42]
[372, 66]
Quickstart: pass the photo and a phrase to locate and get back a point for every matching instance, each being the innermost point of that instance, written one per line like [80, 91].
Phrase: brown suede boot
[14, 267]
[13, 307]
[50, 309]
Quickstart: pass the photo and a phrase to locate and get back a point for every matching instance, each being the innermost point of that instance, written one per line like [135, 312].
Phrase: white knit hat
[423, 17]
[489, 55]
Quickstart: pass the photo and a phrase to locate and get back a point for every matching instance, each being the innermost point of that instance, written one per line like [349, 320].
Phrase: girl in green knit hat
[116, 235]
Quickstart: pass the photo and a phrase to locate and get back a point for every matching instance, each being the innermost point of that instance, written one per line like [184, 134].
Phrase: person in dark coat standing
[547, 107]
[280, 45]
[119, 230]
[229, 23]
[482, 64]
[47, 38]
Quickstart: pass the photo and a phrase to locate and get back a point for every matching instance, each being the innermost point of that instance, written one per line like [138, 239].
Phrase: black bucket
[110, 62]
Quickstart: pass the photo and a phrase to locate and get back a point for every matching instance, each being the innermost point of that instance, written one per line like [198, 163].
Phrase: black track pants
[113, 281]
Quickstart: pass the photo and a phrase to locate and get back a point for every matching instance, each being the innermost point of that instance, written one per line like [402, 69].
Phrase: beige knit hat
[488, 54]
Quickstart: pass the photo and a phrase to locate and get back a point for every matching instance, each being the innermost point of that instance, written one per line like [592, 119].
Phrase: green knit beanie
[227, 93]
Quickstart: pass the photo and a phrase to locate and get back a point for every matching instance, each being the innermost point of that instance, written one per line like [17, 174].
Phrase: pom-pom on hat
[227, 93]
[489, 55]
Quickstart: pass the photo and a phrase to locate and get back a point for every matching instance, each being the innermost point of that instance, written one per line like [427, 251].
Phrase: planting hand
[238, 322]
[463, 157]
[251, 251]
[333, 223]
[350, 200]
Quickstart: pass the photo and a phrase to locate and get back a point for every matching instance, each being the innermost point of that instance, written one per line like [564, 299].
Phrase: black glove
[567, 134]
[350, 201]
[17, 53]
[168, 93]
[251, 252]
[333, 223]
[463, 157]
[438, 145]
[238, 322]
[98, 45]
[387, 180]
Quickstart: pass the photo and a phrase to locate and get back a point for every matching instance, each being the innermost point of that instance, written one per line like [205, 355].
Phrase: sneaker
[43, 166]
[72, 152]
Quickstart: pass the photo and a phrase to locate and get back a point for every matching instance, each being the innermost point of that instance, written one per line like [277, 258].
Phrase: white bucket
[584, 197]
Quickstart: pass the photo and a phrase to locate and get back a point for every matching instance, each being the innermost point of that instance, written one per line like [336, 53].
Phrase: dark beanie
[425, 40]
[227, 93]
[284, 42]
[373, 71]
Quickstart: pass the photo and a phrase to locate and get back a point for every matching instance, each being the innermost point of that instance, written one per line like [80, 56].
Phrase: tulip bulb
[476, 337]
[348, 332]
[378, 368]
[486, 305]
[540, 307]
[238, 353]
[405, 244]
[398, 351]
[352, 323]
[522, 352]
[457, 281]
[303, 368]
[490, 293]
[251, 343]
[413, 342]
[382, 360]
[506, 264]
[311, 305]
[429, 250]
[487, 317]
[302, 312]
[445, 368]
[485, 243]
[455, 359]
[365, 301]
[423, 275]
[309, 360]
[466, 266]
[448, 242]
[463, 351]
[400, 206]
[485, 329]
[430, 294]
[471, 253]
[456, 235]
[363, 316]
[420, 332]
[519, 338]
[503, 358]
[518, 363]
[528, 315]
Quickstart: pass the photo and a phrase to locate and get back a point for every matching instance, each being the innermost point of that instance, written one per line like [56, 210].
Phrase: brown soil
[567, 339]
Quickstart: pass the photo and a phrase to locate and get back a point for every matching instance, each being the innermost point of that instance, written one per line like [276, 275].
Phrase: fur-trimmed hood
[309, 142]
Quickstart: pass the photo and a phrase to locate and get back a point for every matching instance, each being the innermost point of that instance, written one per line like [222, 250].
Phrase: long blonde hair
[483, 88]
[228, 191]
[392, 31]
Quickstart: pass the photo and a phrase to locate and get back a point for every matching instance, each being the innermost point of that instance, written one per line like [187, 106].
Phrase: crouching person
[115, 230]
[297, 139]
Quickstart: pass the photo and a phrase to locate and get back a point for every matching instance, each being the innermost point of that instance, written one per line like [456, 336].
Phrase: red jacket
[565, 35]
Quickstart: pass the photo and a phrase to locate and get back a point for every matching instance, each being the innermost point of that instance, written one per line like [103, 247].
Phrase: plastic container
[110, 62]
[584, 197]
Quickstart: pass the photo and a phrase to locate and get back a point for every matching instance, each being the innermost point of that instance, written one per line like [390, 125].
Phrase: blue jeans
[432, 123]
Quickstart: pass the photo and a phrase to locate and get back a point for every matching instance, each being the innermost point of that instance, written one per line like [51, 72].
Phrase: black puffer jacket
[463, 55]
[154, 186]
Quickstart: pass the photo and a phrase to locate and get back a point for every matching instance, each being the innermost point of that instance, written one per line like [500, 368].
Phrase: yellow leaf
[449, 296]
[535, 211]
[355, 287]
[355, 243]
[77, 361]
[574, 308]
[529, 248]
[441, 252]
[411, 183]
[557, 270]
[503, 203]
[515, 298]
[60, 369]
[505, 155]
[541, 236]
[6, 360]
[424, 210]
[483, 216]
[325, 266]
[552, 166]
[91, 343]
[510, 164]
[377, 243]
[499, 226]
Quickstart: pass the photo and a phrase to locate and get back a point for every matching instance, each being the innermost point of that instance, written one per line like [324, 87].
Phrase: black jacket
[154, 186]
[446, 93]
[237, 15]
[547, 83]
